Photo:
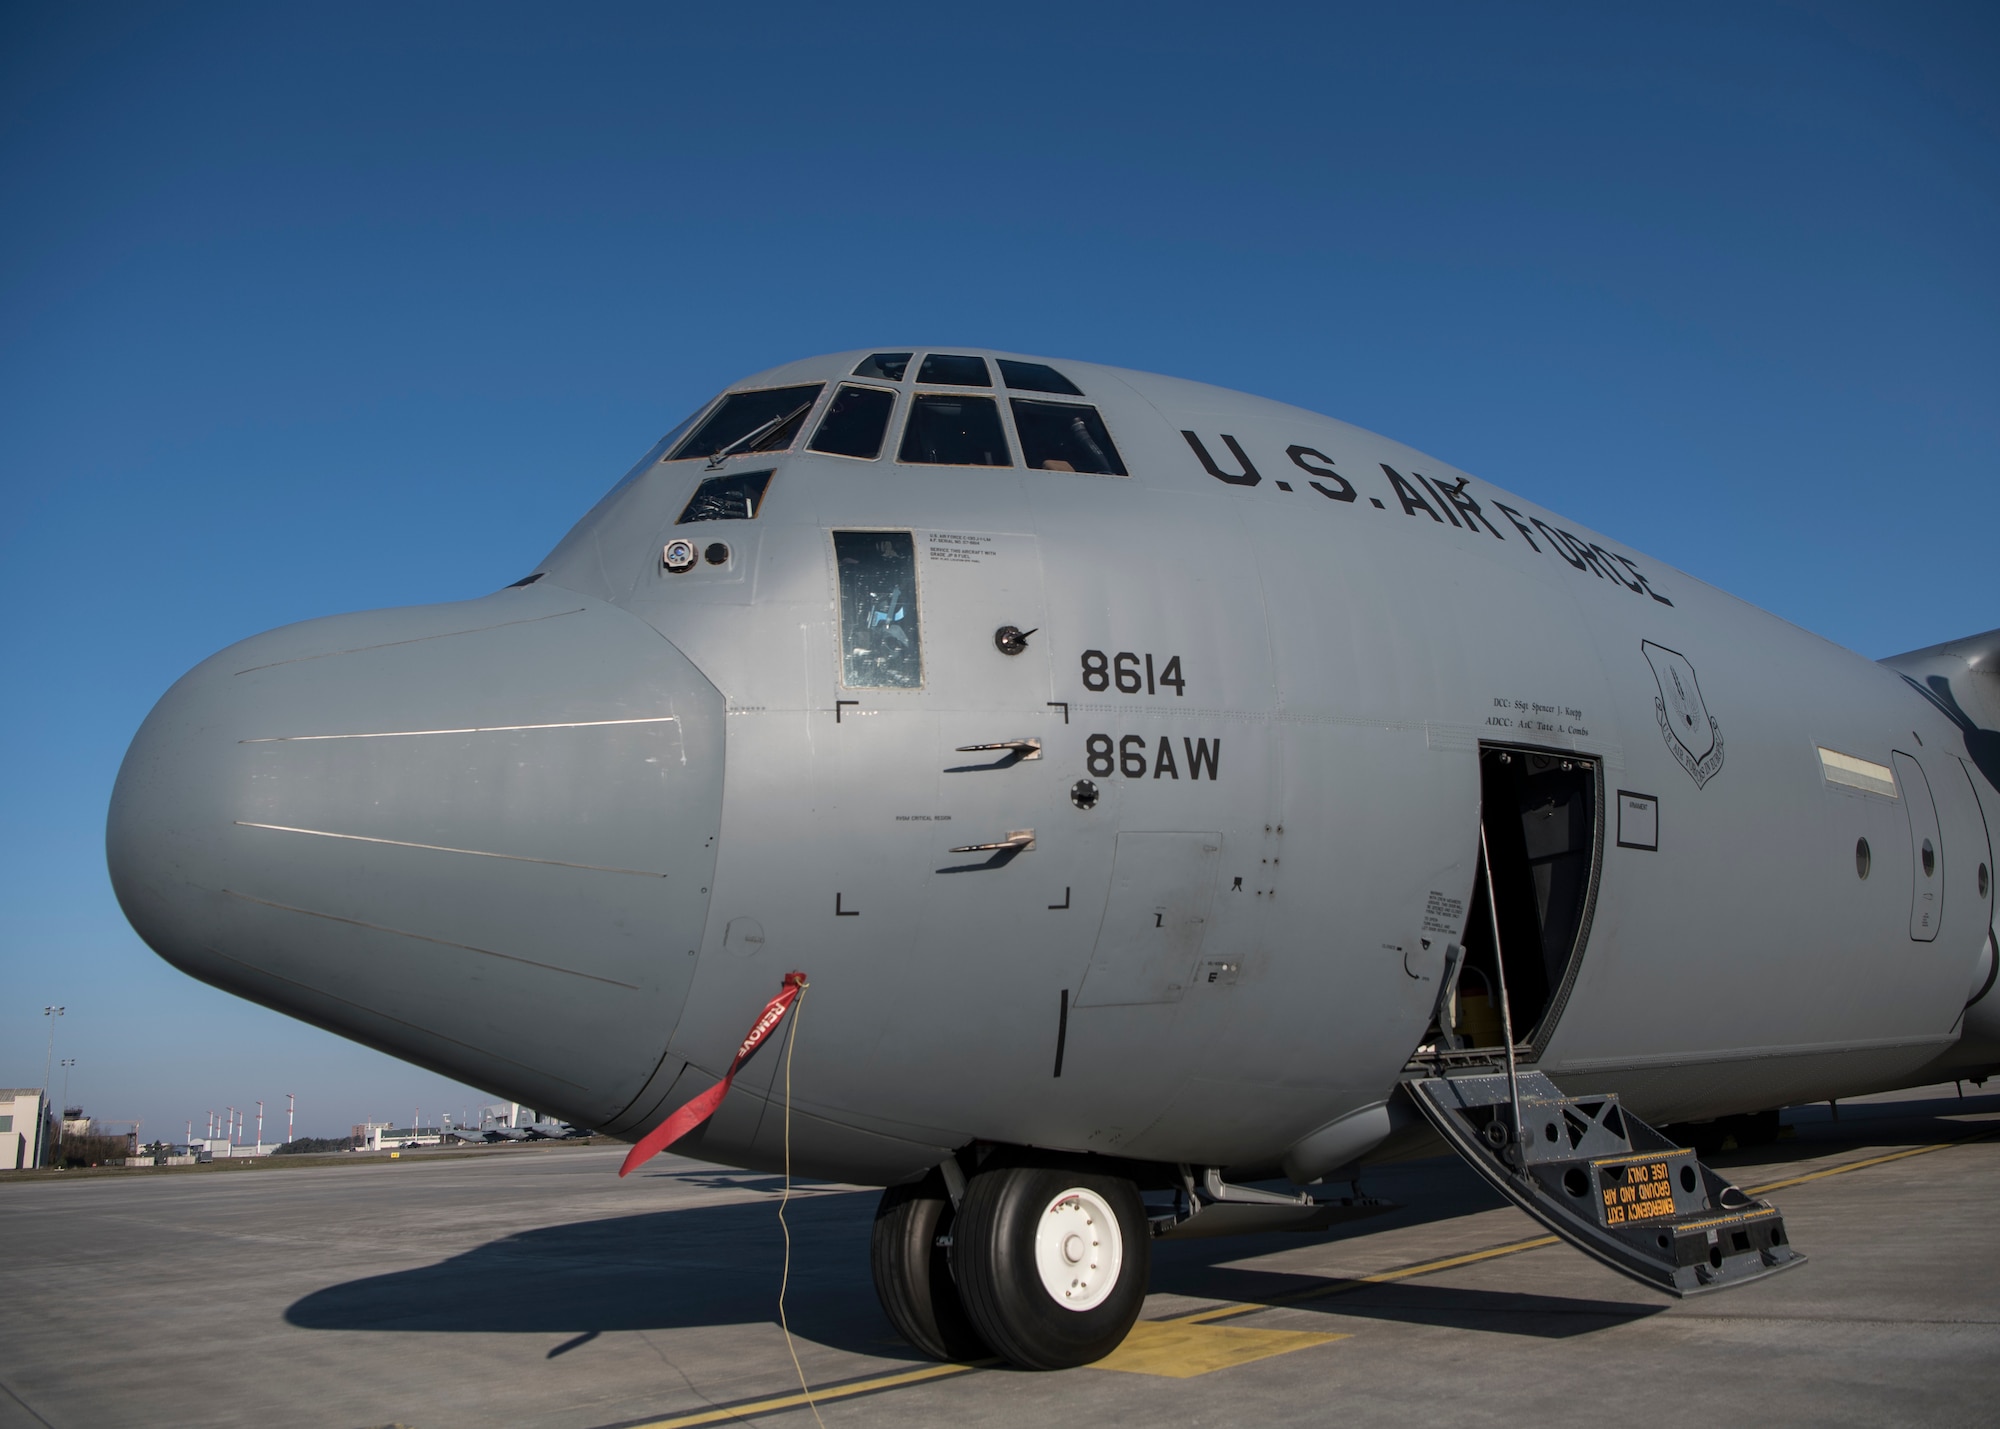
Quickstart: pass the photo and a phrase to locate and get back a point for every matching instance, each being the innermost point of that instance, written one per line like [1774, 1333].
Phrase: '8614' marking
[1101, 672]
[1136, 757]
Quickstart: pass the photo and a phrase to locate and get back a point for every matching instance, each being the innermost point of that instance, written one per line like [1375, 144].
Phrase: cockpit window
[889, 366]
[878, 610]
[948, 371]
[738, 496]
[766, 421]
[1065, 436]
[1035, 377]
[855, 422]
[945, 429]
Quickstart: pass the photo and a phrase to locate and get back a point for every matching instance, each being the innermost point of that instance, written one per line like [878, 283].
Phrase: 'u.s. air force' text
[1460, 510]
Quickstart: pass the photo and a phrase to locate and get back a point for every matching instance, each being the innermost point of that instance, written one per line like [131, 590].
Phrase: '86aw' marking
[1135, 757]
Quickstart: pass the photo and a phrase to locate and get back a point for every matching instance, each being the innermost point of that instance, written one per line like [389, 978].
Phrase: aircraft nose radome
[478, 836]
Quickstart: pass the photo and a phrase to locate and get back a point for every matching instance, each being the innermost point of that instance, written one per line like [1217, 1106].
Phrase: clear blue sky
[305, 310]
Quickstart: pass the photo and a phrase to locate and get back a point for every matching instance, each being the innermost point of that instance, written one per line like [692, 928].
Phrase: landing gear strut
[913, 1275]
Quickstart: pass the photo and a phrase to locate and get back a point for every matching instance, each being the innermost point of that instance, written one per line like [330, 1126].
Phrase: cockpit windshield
[1065, 436]
[946, 429]
[764, 421]
[1036, 377]
[854, 423]
[950, 370]
[887, 365]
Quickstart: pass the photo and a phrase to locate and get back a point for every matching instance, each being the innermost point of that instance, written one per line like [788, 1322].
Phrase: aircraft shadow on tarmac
[674, 1269]
[1435, 1189]
[716, 1265]
[719, 1264]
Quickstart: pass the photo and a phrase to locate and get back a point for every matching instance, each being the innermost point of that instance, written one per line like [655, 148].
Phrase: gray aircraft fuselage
[562, 842]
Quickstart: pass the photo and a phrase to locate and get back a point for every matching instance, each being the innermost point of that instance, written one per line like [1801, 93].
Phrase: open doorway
[1542, 816]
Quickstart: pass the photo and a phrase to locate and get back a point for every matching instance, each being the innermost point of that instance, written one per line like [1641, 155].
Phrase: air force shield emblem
[1692, 735]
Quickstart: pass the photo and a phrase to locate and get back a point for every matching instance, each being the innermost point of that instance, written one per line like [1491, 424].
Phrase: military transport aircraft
[1161, 790]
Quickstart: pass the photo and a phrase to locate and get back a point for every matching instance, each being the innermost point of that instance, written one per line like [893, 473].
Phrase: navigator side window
[878, 610]
[766, 421]
[1065, 436]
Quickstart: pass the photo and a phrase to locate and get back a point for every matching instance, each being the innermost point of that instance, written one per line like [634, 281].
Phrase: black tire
[994, 1260]
[913, 1273]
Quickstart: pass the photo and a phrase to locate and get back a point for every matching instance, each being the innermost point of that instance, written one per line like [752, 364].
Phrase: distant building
[400, 1138]
[23, 1133]
[220, 1148]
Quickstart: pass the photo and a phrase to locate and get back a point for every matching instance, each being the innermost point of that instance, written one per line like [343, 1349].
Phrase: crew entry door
[1542, 820]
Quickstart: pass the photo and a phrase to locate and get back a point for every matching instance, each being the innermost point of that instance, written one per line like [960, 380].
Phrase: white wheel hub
[1078, 1249]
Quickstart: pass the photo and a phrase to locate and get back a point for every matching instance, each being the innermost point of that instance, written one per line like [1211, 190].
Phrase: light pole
[291, 1106]
[260, 1128]
[62, 1127]
[52, 1013]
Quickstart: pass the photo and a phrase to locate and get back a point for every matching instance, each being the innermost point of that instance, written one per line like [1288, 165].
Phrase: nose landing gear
[1046, 1267]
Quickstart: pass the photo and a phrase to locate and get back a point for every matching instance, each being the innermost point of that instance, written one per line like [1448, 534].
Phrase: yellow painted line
[1843, 1169]
[1175, 1350]
[879, 1383]
[1359, 1282]
[819, 1396]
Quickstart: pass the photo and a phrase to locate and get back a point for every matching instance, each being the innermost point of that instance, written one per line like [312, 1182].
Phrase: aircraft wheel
[912, 1273]
[1051, 1264]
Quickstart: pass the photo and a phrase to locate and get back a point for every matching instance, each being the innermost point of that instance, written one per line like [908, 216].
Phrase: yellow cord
[785, 1280]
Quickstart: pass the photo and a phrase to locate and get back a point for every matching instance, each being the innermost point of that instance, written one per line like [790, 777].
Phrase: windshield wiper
[757, 434]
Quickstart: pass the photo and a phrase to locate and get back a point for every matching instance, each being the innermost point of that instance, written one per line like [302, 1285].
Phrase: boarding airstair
[1585, 1167]
[1606, 1182]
